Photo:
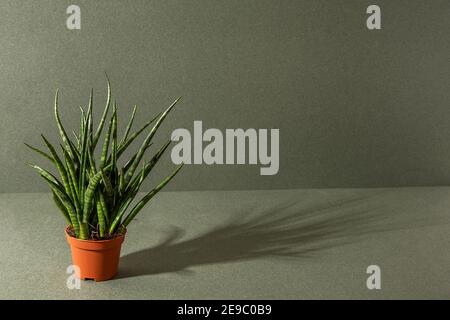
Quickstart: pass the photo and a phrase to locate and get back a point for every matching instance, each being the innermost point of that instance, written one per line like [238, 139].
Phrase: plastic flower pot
[96, 259]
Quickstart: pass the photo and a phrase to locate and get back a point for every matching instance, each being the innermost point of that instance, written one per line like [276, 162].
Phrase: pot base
[96, 279]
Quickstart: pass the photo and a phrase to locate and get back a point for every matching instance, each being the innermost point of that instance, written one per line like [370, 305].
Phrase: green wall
[354, 107]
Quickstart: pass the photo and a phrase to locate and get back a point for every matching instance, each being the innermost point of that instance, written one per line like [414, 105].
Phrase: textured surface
[293, 244]
[354, 107]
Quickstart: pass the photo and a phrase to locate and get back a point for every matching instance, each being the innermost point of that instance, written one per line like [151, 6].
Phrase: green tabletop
[285, 244]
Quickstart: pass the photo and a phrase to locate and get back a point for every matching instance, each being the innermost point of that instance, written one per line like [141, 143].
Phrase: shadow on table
[282, 231]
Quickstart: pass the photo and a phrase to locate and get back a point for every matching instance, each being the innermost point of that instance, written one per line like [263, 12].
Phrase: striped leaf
[42, 153]
[61, 207]
[100, 217]
[129, 125]
[89, 194]
[147, 140]
[123, 146]
[60, 166]
[62, 131]
[104, 154]
[103, 118]
[148, 196]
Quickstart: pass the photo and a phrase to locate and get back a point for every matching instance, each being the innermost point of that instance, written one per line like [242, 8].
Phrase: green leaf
[91, 160]
[105, 113]
[91, 119]
[62, 131]
[72, 177]
[77, 139]
[114, 145]
[76, 153]
[129, 125]
[147, 140]
[48, 176]
[104, 154]
[130, 161]
[147, 197]
[60, 166]
[61, 207]
[84, 159]
[119, 215]
[46, 155]
[100, 218]
[89, 195]
[123, 146]
[104, 206]
[82, 123]
[66, 202]
[150, 165]
[121, 181]
[108, 186]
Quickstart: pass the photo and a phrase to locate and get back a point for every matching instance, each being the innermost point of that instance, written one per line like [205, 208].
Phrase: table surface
[272, 244]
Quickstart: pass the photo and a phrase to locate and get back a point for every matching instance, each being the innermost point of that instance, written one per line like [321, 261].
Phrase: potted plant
[96, 195]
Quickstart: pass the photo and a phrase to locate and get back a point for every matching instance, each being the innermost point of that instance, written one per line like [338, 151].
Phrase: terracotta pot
[96, 259]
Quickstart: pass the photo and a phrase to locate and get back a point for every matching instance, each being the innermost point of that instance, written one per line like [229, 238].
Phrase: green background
[355, 108]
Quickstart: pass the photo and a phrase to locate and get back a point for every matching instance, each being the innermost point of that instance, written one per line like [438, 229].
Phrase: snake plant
[96, 197]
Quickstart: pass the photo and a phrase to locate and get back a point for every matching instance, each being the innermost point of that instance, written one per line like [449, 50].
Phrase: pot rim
[95, 241]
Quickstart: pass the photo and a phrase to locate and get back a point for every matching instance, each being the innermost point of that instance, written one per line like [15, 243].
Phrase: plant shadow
[284, 231]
